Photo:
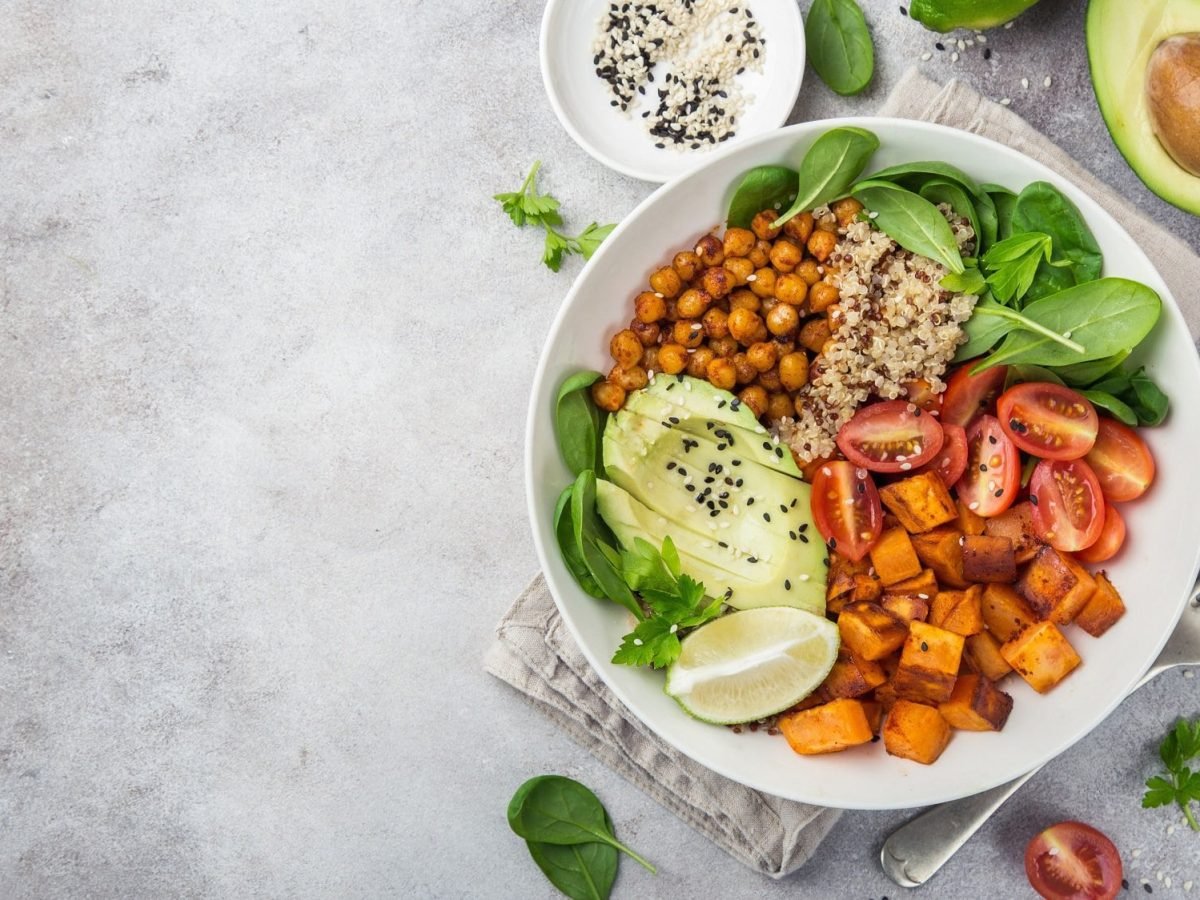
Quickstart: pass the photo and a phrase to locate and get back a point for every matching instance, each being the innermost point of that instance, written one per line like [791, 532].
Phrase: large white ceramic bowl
[1153, 572]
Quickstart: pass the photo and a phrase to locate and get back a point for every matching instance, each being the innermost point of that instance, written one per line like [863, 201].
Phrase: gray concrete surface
[266, 343]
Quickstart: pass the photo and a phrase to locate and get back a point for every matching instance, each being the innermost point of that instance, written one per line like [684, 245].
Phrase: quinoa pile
[893, 325]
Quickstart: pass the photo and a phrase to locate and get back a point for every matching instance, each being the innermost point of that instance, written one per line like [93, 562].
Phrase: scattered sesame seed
[954, 57]
[1024, 84]
[926, 56]
[1006, 102]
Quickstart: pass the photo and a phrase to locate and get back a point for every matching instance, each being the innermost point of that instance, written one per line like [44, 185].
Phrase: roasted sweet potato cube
[1005, 612]
[867, 589]
[827, 728]
[915, 731]
[1101, 612]
[929, 663]
[969, 522]
[885, 695]
[1041, 655]
[906, 606]
[958, 611]
[1016, 524]
[841, 576]
[981, 653]
[987, 558]
[920, 503]
[890, 664]
[976, 705]
[851, 677]
[894, 558]
[1055, 586]
[874, 713]
[941, 550]
[870, 631]
[923, 586]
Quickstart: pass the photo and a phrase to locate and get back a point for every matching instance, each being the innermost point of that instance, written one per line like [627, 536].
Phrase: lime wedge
[753, 663]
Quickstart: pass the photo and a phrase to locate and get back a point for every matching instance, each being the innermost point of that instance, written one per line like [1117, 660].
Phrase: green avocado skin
[978, 15]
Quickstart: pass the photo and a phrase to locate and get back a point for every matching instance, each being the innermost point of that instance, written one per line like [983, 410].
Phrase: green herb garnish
[1012, 264]
[525, 206]
[1180, 785]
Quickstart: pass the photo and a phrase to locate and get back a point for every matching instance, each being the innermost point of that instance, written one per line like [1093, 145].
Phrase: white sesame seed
[1170, 829]
[804, 576]
[925, 57]
[1137, 853]
[751, 278]
[659, 295]
[1167, 881]
[1047, 81]
[1187, 885]
[954, 57]
[1005, 102]
[1189, 674]
[904, 467]
[981, 38]
[962, 45]
[637, 642]
[1008, 25]
[973, 505]
[674, 628]
[1024, 84]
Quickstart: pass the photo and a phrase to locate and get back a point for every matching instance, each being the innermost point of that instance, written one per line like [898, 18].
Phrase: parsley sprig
[1012, 264]
[1181, 785]
[525, 206]
[675, 601]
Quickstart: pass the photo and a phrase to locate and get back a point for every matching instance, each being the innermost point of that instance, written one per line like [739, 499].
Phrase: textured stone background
[266, 343]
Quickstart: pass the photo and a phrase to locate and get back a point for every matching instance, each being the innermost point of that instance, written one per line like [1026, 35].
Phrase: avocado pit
[1173, 98]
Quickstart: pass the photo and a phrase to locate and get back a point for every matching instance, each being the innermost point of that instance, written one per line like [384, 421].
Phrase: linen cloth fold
[535, 653]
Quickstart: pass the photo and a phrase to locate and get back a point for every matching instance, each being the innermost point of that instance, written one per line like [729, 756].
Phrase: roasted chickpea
[827, 223]
[746, 373]
[821, 244]
[785, 256]
[762, 355]
[717, 281]
[686, 264]
[672, 358]
[846, 210]
[809, 271]
[799, 227]
[647, 334]
[762, 225]
[791, 288]
[770, 380]
[763, 284]
[692, 303]
[744, 325]
[723, 347]
[688, 332]
[722, 373]
[698, 362]
[783, 319]
[739, 268]
[815, 333]
[761, 254]
[755, 397]
[822, 296]
[672, 315]
[649, 307]
[744, 299]
[800, 404]
[710, 250]
[784, 346]
[608, 396]
[716, 323]
[738, 242]
[631, 378]
[625, 348]
[779, 406]
[650, 360]
[793, 371]
[666, 281]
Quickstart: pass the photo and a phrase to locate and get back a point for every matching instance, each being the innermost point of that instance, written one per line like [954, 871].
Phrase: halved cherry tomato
[1068, 508]
[951, 461]
[993, 477]
[969, 395]
[921, 393]
[1048, 420]
[1073, 861]
[892, 436]
[1121, 461]
[846, 508]
[1112, 536]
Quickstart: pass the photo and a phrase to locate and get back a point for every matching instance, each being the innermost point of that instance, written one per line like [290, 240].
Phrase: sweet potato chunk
[981, 653]
[941, 550]
[915, 731]
[1016, 524]
[894, 558]
[969, 521]
[906, 606]
[870, 631]
[1005, 612]
[976, 705]
[827, 728]
[1101, 612]
[874, 713]
[1041, 655]
[867, 589]
[987, 558]
[885, 695]
[841, 576]
[851, 677]
[922, 586]
[920, 503]
[928, 663]
[958, 611]
[1055, 586]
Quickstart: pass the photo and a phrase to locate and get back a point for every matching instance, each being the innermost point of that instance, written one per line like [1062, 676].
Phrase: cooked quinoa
[893, 325]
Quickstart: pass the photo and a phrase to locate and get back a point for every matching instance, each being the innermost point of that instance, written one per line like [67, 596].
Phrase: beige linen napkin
[534, 652]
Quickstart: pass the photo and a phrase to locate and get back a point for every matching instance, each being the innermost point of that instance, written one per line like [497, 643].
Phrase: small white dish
[620, 140]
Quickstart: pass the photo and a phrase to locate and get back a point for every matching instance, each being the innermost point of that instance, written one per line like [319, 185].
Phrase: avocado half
[1145, 62]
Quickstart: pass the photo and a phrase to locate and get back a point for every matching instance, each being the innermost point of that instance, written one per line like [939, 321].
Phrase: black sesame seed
[833, 543]
[804, 538]
[1125, 884]
[804, 528]
[722, 544]
[722, 447]
[766, 445]
[940, 45]
[1149, 890]
[739, 482]
[924, 646]
[683, 471]
[903, 11]
[708, 425]
[991, 439]
[737, 462]
[1000, 493]
[1033, 499]
[783, 509]
[750, 502]
[766, 517]
[751, 559]
[722, 504]
[670, 465]
[983, 467]
[691, 488]
[792, 535]
[787, 584]
[714, 513]
[987, 52]
[779, 452]
[674, 420]
[793, 503]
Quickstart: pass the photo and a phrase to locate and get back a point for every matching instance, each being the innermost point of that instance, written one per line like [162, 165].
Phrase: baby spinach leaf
[938, 190]
[989, 222]
[830, 166]
[565, 534]
[911, 221]
[914, 174]
[839, 45]
[580, 871]
[983, 331]
[1088, 373]
[1147, 400]
[577, 422]
[595, 544]
[1044, 208]
[1021, 374]
[764, 187]
[971, 281]
[1116, 407]
[1006, 205]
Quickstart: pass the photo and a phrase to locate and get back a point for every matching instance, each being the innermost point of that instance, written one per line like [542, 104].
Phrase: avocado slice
[979, 15]
[1130, 48]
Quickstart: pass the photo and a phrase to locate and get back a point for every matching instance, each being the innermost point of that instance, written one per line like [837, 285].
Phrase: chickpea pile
[746, 312]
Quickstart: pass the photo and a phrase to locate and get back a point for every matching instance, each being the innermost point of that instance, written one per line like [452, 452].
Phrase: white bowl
[1153, 572]
[619, 140]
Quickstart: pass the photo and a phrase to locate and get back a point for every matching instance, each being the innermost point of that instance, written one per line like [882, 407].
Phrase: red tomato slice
[921, 393]
[892, 436]
[1068, 508]
[1121, 461]
[1073, 861]
[846, 508]
[992, 479]
[1112, 536]
[969, 395]
[1048, 420]
[951, 461]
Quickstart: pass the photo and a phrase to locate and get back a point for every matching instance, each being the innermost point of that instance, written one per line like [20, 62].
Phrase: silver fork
[918, 849]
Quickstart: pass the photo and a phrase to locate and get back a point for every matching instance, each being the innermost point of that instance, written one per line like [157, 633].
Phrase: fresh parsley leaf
[591, 238]
[555, 248]
[1181, 785]
[526, 206]
[652, 643]
[1013, 263]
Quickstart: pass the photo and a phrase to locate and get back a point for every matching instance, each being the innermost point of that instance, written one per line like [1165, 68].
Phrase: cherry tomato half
[892, 436]
[1121, 461]
[1048, 420]
[969, 395]
[1068, 508]
[1073, 861]
[846, 508]
[951, 461]
[993, 476]
[1112, 536]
